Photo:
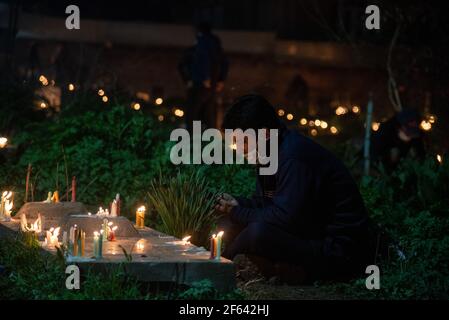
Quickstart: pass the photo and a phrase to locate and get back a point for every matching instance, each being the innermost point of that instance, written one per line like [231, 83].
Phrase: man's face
[250, 144]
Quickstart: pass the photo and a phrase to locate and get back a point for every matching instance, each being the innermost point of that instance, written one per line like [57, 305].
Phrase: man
[396, 137]
[203, 68]
[308, 214]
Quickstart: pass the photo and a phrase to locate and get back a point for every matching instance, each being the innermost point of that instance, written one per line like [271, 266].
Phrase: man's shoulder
[297, 146]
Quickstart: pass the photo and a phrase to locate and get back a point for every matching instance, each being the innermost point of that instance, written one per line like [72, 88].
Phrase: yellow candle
[83, 242]
[140, 217]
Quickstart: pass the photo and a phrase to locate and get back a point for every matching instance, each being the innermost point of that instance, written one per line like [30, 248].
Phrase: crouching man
[307, 221]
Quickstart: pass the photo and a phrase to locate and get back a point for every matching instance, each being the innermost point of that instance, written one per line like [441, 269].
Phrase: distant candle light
[281, 112]
[185, 240]
[313, 132]
[43, 80]
[341, 111]
[43, 105]
[375, 126]
[290, 117]
[439, 158]
[317, 122]
[303, 121]
[105, 99]
[3, 142]
[136, 106]
[101, 92]
[333, 130]
[179, 113]
[159, 101]
[426, 125]
[323, 124]
[160, 117]
[71, 87]
[355, 109]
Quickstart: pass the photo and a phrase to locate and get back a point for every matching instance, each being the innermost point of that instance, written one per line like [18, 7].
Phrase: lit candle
[75, 241]
[82, 242]
[105, 229]
[97, 243]
[6, 205]
[71, 239]
[185, 240]
[55, 197]
[114, 208]
[212, 246]
[100, 244]
[140, 245]
[64, 239]
[49, 198]
[3, 142]
[219, 241]
[117, 199]
[140, 217]
[111, 235]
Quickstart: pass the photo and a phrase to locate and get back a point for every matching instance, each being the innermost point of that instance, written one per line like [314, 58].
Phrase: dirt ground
[257, 287]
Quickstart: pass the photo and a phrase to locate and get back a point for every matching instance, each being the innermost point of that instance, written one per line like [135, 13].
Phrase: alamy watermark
[259, 147]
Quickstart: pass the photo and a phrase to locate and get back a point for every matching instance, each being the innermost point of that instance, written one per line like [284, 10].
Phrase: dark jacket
[204, 61]
[386, 139]
[313, 196]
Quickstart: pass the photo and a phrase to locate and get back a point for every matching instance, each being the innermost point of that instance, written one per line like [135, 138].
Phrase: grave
[52, 214]
[155, 257]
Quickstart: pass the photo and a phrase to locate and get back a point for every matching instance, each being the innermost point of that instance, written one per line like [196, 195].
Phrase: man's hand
[225, 203]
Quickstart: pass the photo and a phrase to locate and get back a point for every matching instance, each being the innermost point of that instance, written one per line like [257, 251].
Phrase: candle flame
[3, 142]
[140, 245]
[34, 227]
[141, 209]
[220, 234]
[185, 240]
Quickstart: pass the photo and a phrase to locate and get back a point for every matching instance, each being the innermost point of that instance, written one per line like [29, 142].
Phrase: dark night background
[309, 58]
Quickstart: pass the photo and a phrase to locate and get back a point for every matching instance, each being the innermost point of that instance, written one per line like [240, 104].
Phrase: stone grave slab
[156, 257]
[52, 214]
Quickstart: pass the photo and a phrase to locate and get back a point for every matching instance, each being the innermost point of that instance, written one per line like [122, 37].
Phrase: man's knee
[257, 233]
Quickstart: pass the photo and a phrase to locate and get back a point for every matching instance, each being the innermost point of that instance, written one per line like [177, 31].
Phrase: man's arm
[255, 201]
[292, 188]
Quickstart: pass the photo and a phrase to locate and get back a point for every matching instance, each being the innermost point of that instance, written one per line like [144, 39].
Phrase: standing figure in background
[203, 68]
[396, 137]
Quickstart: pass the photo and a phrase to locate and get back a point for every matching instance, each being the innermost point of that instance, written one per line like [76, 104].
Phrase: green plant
[204, 290]
[412, 205]
[184, 204]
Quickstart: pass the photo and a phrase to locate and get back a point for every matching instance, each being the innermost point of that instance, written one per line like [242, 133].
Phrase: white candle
[219, 241]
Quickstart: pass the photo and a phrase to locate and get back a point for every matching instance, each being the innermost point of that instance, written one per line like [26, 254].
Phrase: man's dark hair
[251, 111]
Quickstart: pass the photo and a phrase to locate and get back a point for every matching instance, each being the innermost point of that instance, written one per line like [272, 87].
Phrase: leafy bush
[185, 205]
[413, 206]
[112, 150]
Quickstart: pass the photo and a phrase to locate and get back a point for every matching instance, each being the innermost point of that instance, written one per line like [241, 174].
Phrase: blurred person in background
[204, 68]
